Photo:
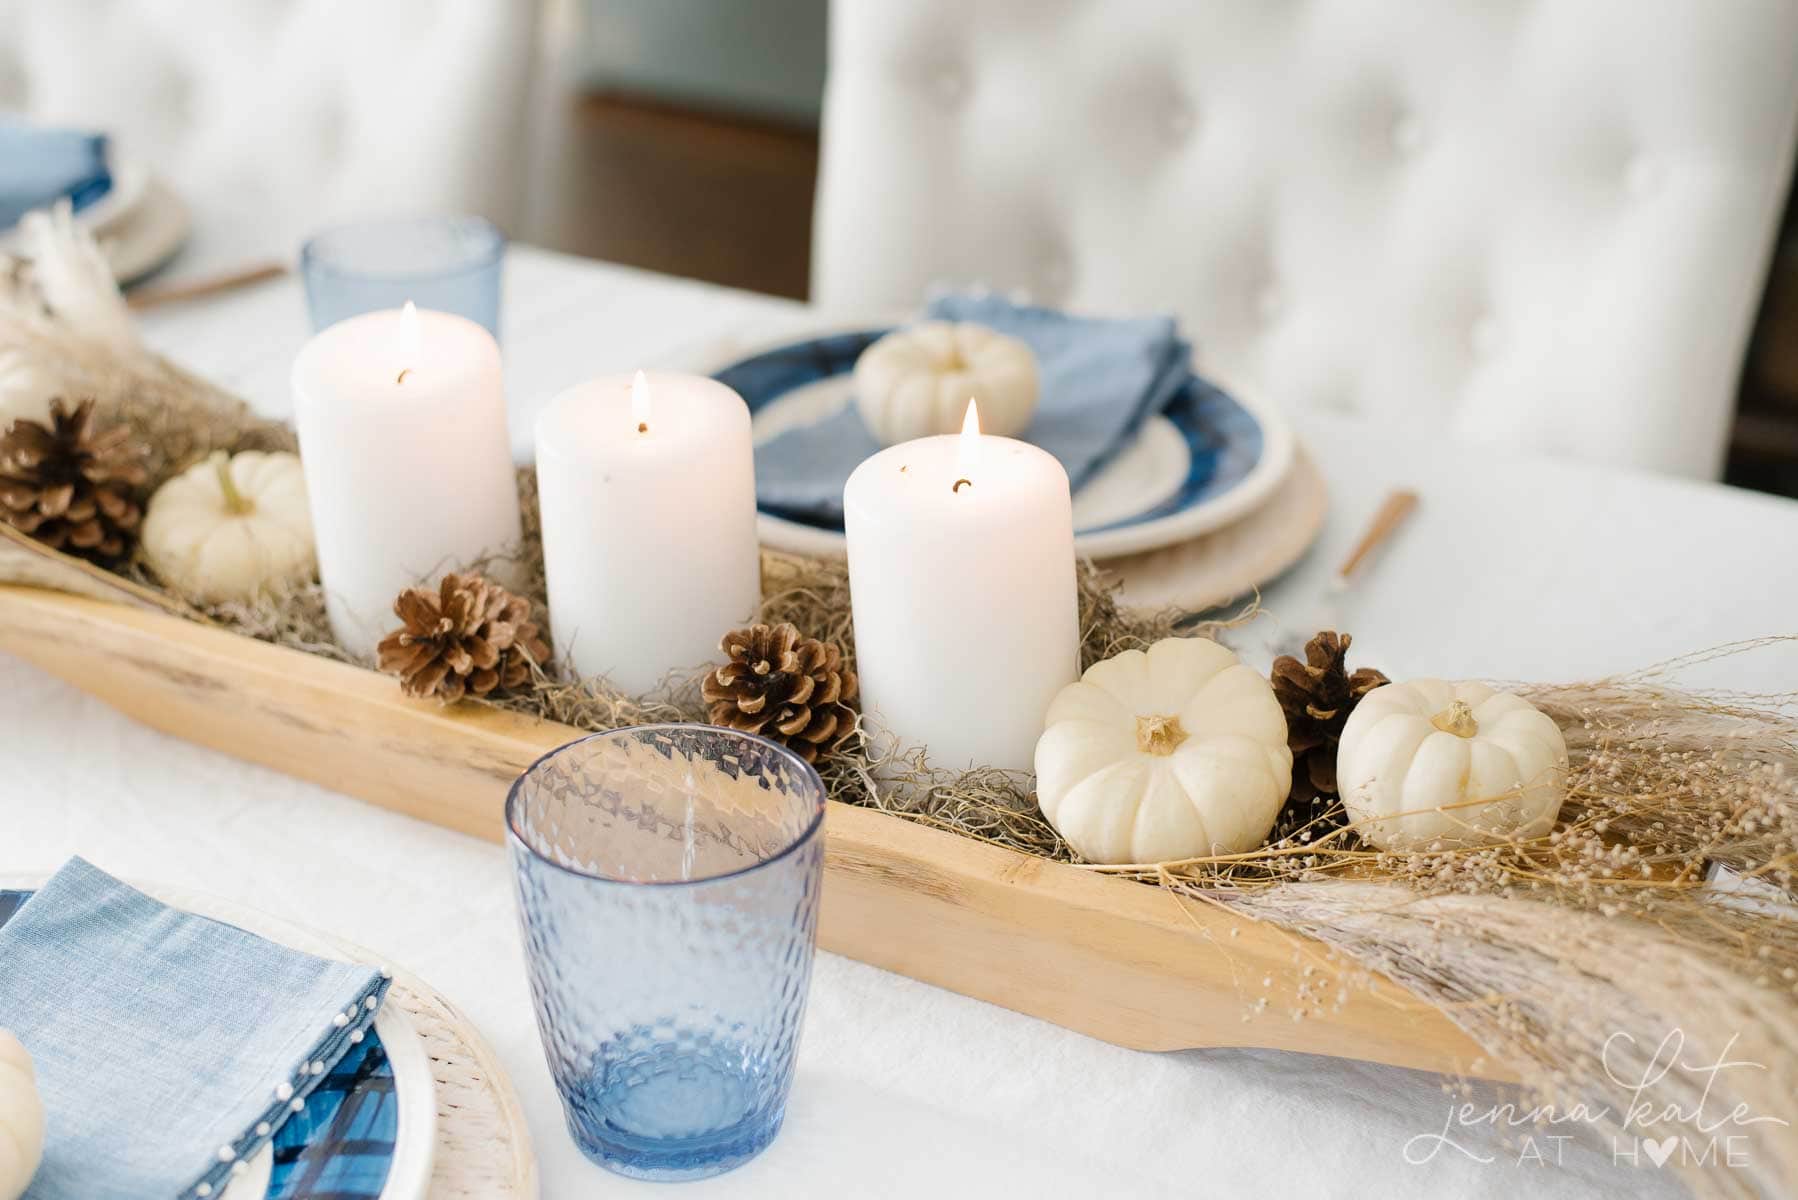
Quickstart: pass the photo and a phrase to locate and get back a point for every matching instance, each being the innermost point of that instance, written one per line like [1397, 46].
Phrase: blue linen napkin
[40, 166]
[1098, 379]
[168, 1046]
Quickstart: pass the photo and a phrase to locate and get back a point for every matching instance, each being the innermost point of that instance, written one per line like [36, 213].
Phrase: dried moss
[1542, 950]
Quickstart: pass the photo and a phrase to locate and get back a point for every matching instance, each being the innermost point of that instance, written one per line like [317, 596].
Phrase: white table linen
[1515, 568]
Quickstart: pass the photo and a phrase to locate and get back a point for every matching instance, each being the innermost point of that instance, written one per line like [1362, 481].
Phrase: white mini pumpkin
[21, 1119]
[1449, 764]
[1175, 753]
[917, 382]
[230, 529]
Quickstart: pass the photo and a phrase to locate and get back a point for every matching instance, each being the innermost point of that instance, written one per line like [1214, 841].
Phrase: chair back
[279, 117]
[1543, 225]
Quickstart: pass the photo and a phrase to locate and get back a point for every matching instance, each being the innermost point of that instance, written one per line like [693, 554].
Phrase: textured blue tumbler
[668, 881]
[450, 264]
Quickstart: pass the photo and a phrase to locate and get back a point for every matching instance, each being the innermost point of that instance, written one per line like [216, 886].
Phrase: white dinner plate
[130, 181]
[140, 223]
[146, 238]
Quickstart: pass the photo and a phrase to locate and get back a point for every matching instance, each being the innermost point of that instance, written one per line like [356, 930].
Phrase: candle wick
[961, 483]
[401, 377]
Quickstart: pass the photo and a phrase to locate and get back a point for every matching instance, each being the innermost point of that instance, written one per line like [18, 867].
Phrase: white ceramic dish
[140, 223]
[409, 1171]
[130, 182]
[148, 236]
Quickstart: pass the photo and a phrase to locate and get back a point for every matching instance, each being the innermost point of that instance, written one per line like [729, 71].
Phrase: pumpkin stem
[235, 502]
[1159, 736]
[1457, 719]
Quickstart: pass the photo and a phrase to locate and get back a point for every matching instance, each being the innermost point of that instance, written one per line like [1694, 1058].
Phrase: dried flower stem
[1545, 951]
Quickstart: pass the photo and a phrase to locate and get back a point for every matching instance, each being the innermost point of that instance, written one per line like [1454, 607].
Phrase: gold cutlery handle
[1385, 523]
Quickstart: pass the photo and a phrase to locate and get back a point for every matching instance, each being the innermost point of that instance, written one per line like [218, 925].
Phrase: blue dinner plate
[341, 1145]
[1208, 460]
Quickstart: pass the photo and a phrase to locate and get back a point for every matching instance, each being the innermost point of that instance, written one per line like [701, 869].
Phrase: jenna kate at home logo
[1645, 1130]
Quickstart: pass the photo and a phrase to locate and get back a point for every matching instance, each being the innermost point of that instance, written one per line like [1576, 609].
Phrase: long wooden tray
[1111, 958]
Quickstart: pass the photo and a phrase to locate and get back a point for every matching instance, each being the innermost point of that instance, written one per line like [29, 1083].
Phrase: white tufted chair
[1540, 224]
[273, 117]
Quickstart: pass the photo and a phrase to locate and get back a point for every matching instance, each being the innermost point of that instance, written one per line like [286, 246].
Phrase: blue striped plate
[1209, 460]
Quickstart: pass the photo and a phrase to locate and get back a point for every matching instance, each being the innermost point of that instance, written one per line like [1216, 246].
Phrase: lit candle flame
[640, 402]
[409, 341]
[967, 450]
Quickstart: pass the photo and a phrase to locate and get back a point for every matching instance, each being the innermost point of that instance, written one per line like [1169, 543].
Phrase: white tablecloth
[1512, 568]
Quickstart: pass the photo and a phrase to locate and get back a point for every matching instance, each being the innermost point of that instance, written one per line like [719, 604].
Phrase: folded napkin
[40, 166]
[168, 1046]
[1098, 380]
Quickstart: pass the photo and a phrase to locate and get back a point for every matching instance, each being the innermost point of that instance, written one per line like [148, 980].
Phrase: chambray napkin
[40, 166]
[1098, 380]
[169, 1047]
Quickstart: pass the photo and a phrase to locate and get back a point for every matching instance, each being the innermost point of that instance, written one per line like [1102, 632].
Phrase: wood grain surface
[1111, 958]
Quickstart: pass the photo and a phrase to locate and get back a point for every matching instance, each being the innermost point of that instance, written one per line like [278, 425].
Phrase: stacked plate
[368, 1130]
[1210, 500]
[139, 222]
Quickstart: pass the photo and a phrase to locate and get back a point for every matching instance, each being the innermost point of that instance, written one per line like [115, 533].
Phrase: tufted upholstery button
[950, 85]
[174, 99]
[1483, 337]
[1177, 123]
[330, 133]
[1269, 303]
[1408, 134]
[1644, 176]
[13, 91]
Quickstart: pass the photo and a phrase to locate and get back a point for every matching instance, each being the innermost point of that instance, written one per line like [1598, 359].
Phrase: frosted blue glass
[450, 264]
[667, 880]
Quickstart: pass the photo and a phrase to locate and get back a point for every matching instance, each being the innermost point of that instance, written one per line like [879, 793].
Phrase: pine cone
[470, 636]
[1317, 697]
[71, 487]
[792, 689]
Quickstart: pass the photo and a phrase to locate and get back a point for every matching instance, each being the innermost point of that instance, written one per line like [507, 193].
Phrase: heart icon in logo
[1659, 1152]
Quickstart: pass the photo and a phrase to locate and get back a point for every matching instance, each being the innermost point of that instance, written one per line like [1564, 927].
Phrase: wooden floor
[729, 200]
[1763, 452]
[714, 198]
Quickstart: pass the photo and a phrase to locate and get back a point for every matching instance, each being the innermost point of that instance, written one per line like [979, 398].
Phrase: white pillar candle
[647, 489]
[402, 423]
[961, 573]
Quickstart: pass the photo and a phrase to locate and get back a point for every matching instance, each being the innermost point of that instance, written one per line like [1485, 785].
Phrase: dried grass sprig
[65, 331]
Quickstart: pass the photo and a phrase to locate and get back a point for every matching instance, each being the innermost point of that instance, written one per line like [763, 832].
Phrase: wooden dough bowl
[1111, 958]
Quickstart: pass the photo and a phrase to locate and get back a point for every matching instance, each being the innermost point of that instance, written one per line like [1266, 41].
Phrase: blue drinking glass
[667, 880]
[451, 264]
